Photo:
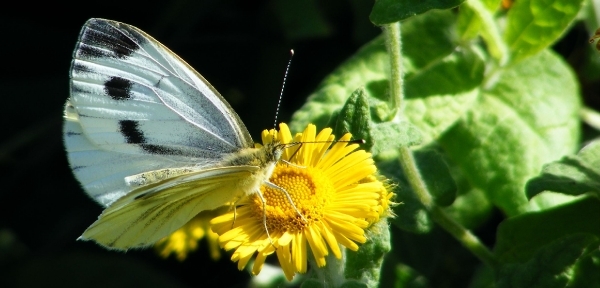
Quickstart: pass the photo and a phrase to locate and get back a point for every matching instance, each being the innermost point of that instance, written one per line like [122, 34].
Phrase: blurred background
[241, 48]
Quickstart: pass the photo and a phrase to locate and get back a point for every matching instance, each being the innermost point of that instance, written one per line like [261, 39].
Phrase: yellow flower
[335, 190]
[185, 239]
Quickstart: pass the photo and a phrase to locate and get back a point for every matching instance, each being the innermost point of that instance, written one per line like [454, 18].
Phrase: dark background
[241, 47]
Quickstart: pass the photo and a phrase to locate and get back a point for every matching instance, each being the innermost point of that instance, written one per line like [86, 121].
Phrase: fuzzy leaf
[518, 238]
[533, 25]
[573, 175]
[550, 267]
[529, 117]
[365, 264]
[430, 56]
[437, 177]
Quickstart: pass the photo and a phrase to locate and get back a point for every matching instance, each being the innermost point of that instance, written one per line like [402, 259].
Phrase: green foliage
[519, 238]
[374, 250]
[533, 25]
[485, 105]
[573, 175]
[388, 11]
[551, 266]
[431, 108]
[528, 118]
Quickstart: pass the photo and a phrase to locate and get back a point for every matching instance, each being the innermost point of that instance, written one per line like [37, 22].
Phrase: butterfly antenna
[287, 70]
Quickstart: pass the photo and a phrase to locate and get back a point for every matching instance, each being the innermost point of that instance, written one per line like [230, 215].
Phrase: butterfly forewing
[135, 106]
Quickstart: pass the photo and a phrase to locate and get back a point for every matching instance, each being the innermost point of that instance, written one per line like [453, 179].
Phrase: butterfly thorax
[262, 157]
[265, 158]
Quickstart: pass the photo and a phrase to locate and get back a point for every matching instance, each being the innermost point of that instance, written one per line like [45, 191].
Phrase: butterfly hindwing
[146, 215]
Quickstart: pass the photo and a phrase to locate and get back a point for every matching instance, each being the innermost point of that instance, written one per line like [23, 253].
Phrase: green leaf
[469, 23]
[363, 69]
[586, 273]
[573, 175]
[484, 277]
[437, 177]
[533, 25]
[354, 284]
[379, 137]
[550, 267]
[433, 108]
[365, 264]
[408, 277]
[389, 11]
[430, 56]
[390, 136]
[527, 118]
[312, 283]
[518, 238]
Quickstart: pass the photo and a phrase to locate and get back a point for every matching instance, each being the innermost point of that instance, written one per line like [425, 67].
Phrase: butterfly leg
[271, 185]
[264, 203]
[292, 164]
[234, 205]
[234, 215]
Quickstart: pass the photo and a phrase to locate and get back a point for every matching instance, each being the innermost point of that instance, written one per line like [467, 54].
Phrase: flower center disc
[309, 190]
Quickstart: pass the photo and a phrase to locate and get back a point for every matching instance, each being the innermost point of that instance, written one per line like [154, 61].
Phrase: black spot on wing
[77, 89]
[71, 133]
[87, 51]
[81, 68]
[131, 132]
[130, 129]
[164, 150]
[118, 88]
[100, 38]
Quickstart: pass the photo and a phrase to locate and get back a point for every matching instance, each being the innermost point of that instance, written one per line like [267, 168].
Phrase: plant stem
[407, 161]
[393, 43]
[465, 237]
[489, 31]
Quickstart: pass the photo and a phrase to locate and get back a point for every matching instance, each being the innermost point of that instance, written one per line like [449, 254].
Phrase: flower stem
[465, 237]
[409, 166]
[490, 31]
[407, 161]
[393, 43]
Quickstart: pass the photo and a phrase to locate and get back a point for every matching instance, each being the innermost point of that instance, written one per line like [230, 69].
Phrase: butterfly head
[273, 151]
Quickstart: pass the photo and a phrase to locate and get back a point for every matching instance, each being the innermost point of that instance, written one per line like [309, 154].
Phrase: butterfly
[151, 140]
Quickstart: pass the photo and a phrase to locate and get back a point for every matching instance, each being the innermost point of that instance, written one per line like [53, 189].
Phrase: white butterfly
[150, 139]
